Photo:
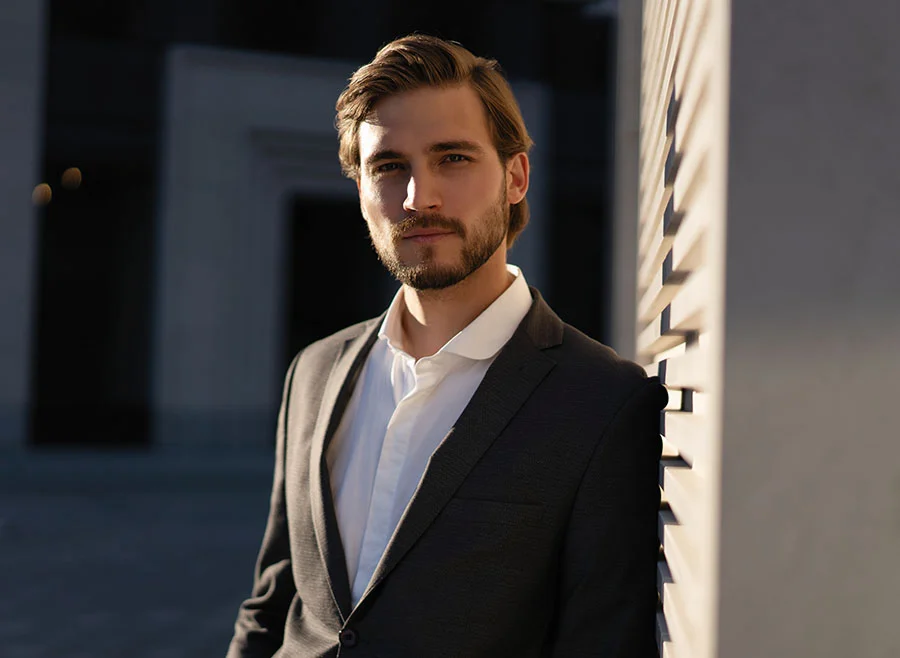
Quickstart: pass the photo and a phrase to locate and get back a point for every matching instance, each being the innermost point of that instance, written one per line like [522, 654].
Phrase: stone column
[22, 43]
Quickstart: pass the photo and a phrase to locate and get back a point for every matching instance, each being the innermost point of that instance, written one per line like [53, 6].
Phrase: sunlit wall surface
[683, 100]
[756, 171]
[671, 143]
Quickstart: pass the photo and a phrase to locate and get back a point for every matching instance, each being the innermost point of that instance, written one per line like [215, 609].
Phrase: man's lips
[426, 235]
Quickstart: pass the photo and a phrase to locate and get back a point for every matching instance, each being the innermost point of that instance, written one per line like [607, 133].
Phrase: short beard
[488, 235]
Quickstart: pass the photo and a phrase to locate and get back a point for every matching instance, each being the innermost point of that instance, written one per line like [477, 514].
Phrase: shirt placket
[410, 380]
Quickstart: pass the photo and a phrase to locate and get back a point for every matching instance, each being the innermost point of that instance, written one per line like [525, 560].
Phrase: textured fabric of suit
[532, 532]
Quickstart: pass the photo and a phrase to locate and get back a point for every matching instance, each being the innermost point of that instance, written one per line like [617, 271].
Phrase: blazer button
[348, 638]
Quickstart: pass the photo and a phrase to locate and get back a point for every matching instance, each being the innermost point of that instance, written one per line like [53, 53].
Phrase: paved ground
[126, 556]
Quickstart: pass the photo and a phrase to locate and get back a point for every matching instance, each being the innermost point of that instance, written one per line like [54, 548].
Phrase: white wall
[811, 456]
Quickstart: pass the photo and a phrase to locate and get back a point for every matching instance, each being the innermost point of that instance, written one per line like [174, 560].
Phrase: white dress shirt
[396, 418]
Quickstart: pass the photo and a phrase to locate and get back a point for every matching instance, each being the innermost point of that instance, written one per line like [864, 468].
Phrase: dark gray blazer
[533, 531]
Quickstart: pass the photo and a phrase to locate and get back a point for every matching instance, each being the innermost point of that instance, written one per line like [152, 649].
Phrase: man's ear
[517, 171]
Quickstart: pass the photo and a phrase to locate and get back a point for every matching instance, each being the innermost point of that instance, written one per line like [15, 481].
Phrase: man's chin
[430, 277]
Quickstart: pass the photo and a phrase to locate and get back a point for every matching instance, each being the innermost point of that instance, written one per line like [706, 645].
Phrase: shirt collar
[485, 335]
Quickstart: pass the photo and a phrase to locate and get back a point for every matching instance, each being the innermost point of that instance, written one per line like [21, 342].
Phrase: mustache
[427, 221]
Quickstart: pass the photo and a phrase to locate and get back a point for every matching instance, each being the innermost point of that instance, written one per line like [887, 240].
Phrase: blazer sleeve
[608, 599]
[259, 629]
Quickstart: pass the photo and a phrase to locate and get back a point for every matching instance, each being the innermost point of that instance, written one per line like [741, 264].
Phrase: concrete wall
[625, 205]
[810, 501]
[234, 124]
[22, 31]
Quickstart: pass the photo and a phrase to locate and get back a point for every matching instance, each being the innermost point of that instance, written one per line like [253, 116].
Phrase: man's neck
[430, 318]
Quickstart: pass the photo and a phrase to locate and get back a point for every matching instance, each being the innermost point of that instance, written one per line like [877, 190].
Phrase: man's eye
[456, 157]
[387, 167]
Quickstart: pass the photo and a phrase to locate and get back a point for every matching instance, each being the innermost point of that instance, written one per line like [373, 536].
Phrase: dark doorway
[334, 277]
[91, 359]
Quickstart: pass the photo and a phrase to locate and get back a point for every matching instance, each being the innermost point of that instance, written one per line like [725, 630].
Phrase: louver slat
[687, 370]
[685, 430]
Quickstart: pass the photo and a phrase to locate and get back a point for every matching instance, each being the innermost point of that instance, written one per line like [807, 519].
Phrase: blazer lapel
[338, 389]
[517, 370]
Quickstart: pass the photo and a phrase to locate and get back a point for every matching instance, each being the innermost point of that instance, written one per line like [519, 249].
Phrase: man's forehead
[451, 100]
[372, 140]
[424, 117]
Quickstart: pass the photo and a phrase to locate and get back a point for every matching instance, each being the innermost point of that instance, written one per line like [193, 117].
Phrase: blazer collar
[338, 390]
[541, 324]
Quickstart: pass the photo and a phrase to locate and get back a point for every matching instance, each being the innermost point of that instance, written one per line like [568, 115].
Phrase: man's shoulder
[596, 366]
[339, 338]
[581, 362]
[327, 349]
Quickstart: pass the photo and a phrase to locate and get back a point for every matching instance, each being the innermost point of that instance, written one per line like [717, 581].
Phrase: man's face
[432, 188]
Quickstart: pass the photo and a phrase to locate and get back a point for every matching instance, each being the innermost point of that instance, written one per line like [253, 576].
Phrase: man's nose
[422, 193]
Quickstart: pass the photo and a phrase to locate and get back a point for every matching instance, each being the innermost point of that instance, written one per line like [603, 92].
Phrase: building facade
[156, 294]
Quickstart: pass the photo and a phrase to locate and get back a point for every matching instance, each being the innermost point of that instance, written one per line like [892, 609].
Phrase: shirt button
[348, 638]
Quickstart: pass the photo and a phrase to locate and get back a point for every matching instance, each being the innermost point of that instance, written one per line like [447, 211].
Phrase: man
[465, 476]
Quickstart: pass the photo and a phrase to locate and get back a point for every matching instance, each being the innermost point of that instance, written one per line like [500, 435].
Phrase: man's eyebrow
[458, 145]
[384, 154]
[439, 147]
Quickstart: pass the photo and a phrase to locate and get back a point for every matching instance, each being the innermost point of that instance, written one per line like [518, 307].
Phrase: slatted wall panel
[679, 279]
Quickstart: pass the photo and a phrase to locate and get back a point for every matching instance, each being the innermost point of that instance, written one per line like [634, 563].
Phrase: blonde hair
[418, 61]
